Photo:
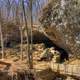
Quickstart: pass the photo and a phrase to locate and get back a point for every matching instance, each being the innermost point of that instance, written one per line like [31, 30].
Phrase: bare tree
[31, 31]
[1, 36]
[19, 22]
[28, 44]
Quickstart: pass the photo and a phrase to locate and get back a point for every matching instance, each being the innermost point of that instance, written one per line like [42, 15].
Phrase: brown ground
[13, 64]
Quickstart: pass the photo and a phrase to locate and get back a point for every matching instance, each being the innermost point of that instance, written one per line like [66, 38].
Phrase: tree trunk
[31, 26]
[21, 34]
[1, 37]
[28, 44]
[2, 43]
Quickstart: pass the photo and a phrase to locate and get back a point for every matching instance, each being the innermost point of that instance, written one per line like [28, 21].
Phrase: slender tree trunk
[8, 9]
[31, 23]
[2, 43]
[28, 44]
[1, 37]
[31, 30]
[21, 33]
[19, 22]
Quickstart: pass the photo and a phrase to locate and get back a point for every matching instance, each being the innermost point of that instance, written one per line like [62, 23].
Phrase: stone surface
[62, 26]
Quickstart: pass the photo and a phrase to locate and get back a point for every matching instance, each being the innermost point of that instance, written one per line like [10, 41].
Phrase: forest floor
[13, 63]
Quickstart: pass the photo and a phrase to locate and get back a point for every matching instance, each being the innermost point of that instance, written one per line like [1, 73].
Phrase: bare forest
[39, 39]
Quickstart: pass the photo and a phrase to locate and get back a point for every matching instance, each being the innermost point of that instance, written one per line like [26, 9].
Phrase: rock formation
[10, 33]
[61, 24]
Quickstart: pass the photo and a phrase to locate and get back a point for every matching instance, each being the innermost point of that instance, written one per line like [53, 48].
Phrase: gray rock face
[11, 34]
[61, 23]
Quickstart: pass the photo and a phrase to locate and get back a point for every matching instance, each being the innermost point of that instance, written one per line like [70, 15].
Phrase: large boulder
[61, 24]
[11, 35]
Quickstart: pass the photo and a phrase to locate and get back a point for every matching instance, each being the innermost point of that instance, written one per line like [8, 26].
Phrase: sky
[35, 9]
